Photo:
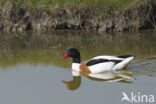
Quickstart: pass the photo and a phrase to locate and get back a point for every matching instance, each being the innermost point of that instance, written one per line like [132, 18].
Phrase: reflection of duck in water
[107, 76]
[112, 76]
[75, 83]
[98, 64]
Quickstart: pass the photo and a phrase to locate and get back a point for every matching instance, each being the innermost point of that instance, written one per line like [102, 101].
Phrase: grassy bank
[104, 6]
[90, 15]
[74, 2]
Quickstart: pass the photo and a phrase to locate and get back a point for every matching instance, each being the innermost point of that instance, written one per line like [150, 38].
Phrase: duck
[97, 64]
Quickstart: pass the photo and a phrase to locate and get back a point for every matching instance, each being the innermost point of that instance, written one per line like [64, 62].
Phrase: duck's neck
[75, 66]
[76, 60]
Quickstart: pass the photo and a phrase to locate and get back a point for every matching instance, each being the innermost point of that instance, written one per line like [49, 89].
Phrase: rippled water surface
[32, 71]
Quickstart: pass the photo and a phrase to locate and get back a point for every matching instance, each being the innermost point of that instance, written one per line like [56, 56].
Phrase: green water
[32, 71]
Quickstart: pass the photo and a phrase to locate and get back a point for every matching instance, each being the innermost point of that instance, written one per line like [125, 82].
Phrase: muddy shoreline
[138, 16]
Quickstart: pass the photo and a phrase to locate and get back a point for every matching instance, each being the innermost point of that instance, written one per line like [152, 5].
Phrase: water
[32, 71]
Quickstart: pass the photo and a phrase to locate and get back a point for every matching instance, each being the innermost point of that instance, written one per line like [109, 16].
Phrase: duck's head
[74, 53]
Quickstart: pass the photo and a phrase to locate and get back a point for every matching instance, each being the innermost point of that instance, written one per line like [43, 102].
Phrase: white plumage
[100, 67]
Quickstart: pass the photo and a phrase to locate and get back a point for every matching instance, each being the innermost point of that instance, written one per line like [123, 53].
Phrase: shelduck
[99, 63]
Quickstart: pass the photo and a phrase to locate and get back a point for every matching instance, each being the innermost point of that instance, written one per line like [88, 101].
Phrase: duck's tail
[123, 64]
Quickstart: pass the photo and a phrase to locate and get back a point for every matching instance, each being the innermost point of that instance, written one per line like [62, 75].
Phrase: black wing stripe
[125, 56]
[96, 61]
[116, 61]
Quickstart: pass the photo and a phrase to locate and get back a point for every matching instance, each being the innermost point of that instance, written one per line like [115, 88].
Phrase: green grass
[102, 7]
[75, 2]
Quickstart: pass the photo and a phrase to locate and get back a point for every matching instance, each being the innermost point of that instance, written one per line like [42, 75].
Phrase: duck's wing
[108, 57]
[113, 57]
[116, 62]
[104, 59]
[103, 63]
[96, 61]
